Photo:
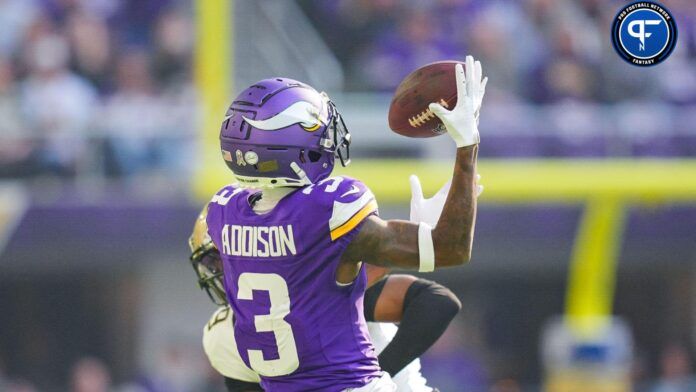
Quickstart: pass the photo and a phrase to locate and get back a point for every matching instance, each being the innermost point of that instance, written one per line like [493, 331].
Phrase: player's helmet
[281, 132]
[206, 261]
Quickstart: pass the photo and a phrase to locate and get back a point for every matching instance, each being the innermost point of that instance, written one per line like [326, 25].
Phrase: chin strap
[300, 173]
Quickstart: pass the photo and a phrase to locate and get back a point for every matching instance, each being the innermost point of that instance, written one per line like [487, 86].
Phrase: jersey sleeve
[353, 202]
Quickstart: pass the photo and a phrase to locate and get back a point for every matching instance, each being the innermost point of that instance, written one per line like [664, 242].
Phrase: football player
[293, 240]
[424, 309]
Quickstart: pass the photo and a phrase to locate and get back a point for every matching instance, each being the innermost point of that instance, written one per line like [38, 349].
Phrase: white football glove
[429, 210]
[462, 121]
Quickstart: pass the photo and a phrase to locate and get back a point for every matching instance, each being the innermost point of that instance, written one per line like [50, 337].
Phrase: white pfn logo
[644, 33]
[641, 34]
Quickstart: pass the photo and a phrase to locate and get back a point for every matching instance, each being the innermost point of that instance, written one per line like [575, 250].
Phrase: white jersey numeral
[224, 196]
[335, 181]
[277, 288]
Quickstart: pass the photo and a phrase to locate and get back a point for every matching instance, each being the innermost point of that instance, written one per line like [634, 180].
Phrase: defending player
[292, 253]
[424, 309]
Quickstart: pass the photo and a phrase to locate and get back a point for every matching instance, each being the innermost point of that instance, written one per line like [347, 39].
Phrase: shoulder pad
[352, 203]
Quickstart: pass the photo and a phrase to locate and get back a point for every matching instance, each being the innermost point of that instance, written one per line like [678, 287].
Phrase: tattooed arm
[394, 243]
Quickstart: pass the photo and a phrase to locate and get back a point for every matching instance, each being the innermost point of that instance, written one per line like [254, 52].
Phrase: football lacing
[424, 116]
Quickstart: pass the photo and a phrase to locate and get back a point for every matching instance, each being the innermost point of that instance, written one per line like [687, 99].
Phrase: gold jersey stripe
[354, 220]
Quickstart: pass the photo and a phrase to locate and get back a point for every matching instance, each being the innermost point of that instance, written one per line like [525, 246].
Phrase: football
[409, 114]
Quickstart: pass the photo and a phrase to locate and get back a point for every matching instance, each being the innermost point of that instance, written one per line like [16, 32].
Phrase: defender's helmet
[281, 132]
[206, 261]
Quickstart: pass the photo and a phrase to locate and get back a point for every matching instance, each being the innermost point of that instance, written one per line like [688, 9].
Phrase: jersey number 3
[287, 361]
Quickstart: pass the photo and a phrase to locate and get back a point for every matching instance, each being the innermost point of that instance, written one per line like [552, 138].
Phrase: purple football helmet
[281, 132]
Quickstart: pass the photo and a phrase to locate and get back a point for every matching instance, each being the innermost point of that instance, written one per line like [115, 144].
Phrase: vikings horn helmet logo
[301, 112]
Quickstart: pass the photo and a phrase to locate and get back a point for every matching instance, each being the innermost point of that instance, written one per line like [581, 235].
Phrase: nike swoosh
[354, 189]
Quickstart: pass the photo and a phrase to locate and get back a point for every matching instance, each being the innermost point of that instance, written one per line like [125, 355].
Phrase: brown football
[409, 114]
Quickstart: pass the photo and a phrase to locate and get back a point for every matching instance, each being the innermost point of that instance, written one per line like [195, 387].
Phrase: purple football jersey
[294, 324]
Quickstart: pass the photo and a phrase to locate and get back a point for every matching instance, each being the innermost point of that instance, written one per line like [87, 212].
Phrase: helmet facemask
[337, 130]
[207, 264]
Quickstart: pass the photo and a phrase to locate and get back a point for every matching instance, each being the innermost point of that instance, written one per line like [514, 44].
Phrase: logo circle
[251, 157]
[644, 33]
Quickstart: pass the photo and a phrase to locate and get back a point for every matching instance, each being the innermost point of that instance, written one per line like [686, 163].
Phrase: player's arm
[424, 310]
[397, 243]
[375, 274]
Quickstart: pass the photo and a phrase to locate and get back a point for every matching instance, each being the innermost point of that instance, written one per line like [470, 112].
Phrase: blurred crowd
[451, 365]
[104, 86]
[80, 78]
[177, 371]
[535, 50]
[557, 88]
